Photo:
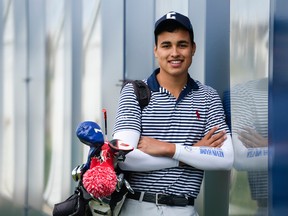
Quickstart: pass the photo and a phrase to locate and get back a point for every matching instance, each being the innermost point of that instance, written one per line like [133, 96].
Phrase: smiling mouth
[175, 62]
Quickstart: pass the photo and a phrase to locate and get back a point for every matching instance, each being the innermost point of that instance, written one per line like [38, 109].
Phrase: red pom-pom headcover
[100, 179]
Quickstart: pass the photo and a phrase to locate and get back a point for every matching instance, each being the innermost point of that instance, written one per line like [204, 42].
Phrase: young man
[178, 135]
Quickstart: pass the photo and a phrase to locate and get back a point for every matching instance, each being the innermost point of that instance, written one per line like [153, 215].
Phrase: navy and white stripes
[182, 122]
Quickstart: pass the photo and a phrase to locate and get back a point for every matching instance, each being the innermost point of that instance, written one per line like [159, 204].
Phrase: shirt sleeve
[215, 112]
[138, 160]
[210, 158]
[207, 158]
[128, 116]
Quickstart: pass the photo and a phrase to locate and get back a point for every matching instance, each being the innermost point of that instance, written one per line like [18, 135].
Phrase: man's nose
[174, 51]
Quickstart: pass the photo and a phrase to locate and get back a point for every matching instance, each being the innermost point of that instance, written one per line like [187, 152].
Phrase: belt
[161, 199]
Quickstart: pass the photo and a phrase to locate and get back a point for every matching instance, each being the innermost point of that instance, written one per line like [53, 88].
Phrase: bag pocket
[67, 207]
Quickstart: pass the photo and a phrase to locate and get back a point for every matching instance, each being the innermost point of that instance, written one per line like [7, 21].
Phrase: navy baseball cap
[173, 16]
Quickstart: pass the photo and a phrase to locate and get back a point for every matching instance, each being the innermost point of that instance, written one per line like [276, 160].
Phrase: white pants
[136, 208]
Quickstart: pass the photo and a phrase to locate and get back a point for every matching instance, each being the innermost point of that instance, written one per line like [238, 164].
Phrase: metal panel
[72, 85]
[76, 62]
[1, 88]
[7, 162]
[36, 95]
[197, 14]
[20, 105]
[139, 38]
[165, 6]
[216, 198]
[112, 16]
[278, 102]
[64, 98]
[59, 152]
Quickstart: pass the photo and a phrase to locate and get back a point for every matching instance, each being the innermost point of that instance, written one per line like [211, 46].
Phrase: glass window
[57, 76]
[91, 82]
[54, 97]
[91, 107]
[6, 159]
[249, 27]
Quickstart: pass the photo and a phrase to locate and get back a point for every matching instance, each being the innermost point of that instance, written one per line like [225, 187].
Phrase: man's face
[174, 52]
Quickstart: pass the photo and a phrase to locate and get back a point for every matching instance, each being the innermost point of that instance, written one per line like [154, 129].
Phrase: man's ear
[193, 48]
[155, 51]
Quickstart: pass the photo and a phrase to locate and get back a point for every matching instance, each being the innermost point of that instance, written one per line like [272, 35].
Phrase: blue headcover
[90, 134]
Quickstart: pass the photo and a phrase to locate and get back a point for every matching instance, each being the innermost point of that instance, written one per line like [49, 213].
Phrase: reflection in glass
[53, 100]
[249, 106]
[91, 83]
[56, 80]
[7, 145]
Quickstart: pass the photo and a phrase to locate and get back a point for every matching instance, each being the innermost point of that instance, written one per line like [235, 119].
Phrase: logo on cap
[171, 15]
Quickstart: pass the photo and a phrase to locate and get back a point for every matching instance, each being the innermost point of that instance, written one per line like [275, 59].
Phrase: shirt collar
[154, 85]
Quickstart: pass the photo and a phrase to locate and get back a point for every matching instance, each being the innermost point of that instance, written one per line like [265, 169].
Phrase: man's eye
[165, 46]
[183, 45]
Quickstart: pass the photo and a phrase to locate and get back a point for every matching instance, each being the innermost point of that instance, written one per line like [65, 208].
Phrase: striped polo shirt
[182, 121]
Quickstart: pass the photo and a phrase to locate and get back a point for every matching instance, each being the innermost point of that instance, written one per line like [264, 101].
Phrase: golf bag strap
[142, 92]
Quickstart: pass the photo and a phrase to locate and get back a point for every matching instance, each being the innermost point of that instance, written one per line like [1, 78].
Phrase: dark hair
[171, 27]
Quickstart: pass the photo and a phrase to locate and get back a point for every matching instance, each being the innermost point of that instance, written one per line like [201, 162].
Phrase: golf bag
[100, 190]
[87, 200]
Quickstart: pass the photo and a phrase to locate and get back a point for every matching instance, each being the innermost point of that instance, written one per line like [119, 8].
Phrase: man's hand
[156, 147]
[211, 140]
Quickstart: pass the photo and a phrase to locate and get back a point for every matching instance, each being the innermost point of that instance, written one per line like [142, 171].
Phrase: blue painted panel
[278, 116]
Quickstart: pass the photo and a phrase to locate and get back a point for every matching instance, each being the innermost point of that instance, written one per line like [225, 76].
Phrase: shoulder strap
[141, 91]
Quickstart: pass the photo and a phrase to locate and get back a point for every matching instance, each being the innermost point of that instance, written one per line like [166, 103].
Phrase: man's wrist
[170, 150]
